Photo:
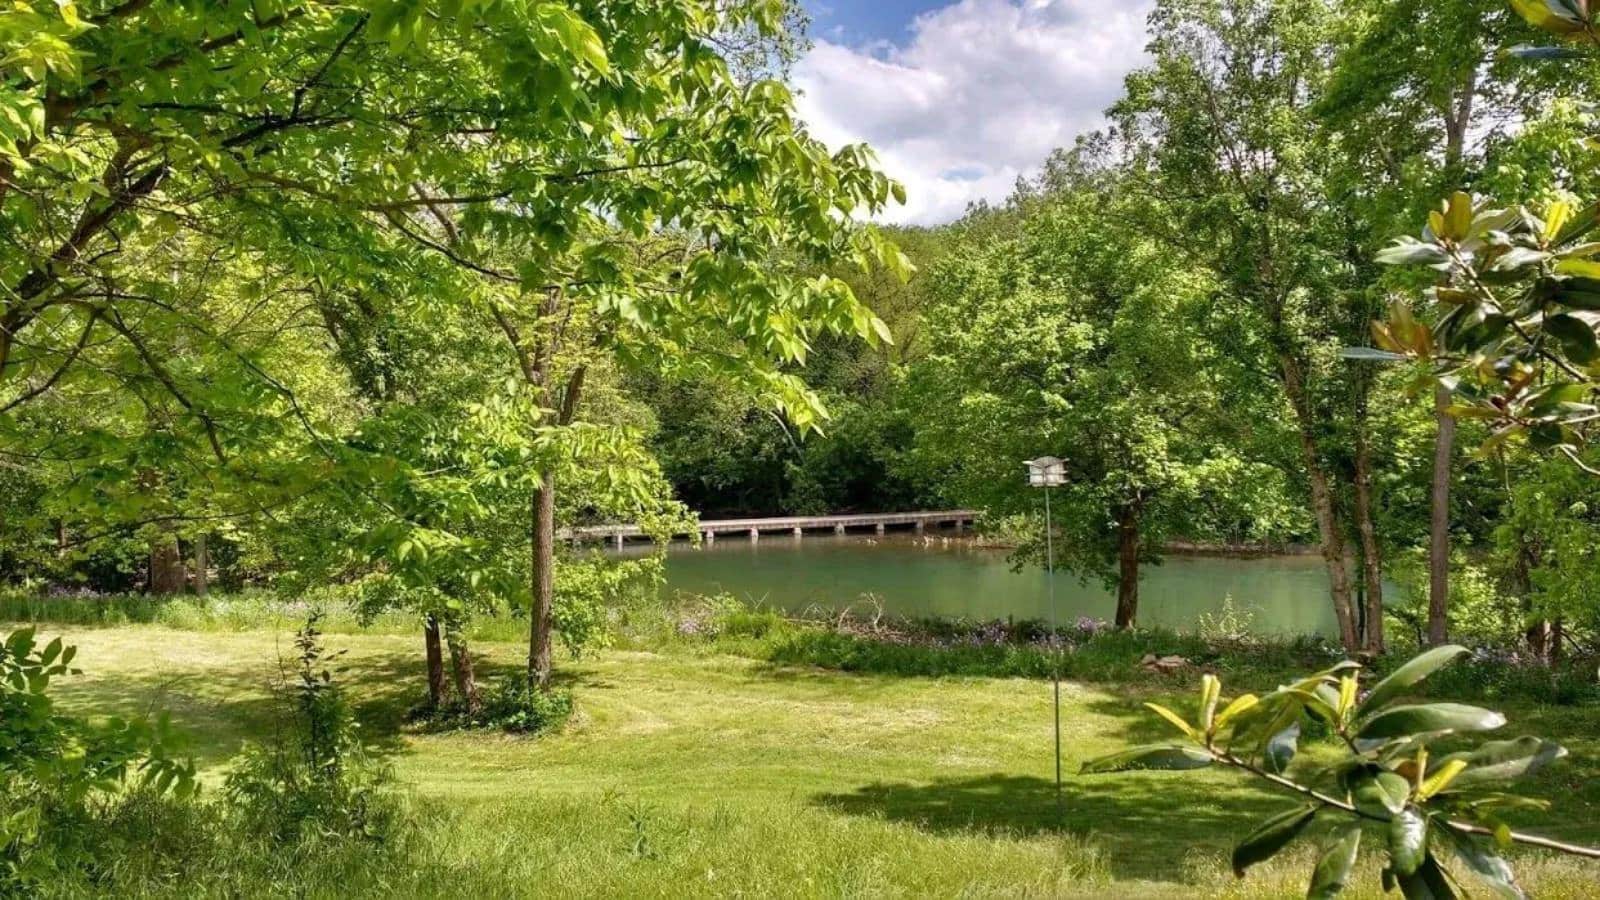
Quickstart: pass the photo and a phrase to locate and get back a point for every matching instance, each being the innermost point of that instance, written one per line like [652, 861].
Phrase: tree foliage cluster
[1204, 310]
[354, 292]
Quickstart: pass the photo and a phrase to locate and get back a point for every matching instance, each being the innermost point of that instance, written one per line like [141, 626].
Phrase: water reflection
[913, 576]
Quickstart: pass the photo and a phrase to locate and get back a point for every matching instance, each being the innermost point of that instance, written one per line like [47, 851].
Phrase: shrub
[519, 707]
[56, 770]
[313, 777]
[512, 704]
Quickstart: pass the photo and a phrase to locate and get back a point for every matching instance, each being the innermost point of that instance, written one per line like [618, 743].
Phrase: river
[916, 577]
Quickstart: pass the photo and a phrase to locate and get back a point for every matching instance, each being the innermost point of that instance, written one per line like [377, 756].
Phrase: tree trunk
[1539, 640]
[61, 539]
[1128, 567]
[1558, 637]
[1371, 555]
[430, 641]
[543, 580]
[167, 575]
[202, 566]
[461, 666]
[1334, 554]
[1439, 524]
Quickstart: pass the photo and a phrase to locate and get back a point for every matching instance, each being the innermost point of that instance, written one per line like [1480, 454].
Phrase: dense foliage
[55, 769]
[1428, 806]
[374, 299]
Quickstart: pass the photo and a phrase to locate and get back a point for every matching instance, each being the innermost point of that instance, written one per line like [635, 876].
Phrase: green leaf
[1498, 761]
[1408, 840]
[1281, 748]
[1428, 882]
[1273, 835]
[1490, 867]
[1411, 252]
[1409, 675]
[1210, 693]
[1175, 719]
[1168, 757]
[1439, 778]
[577, 36]
[1238, 707]
[1406, 720]
[1380, 792]
[1587, 268]
[1576, 337]
[1458, 215]
[1332, 873]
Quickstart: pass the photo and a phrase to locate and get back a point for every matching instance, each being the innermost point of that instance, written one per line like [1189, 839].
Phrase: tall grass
[247, 610]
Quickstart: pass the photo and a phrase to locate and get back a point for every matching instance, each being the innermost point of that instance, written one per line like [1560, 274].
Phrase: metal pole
[1050, 576]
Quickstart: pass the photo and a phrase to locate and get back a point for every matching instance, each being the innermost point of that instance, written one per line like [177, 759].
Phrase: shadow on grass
[1146, 825]
[218, 710]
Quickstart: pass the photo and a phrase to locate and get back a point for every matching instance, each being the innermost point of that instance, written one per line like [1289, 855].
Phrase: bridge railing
[709, 528]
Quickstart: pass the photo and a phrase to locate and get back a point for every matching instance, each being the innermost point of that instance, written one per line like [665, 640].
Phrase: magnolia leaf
[1490, 867]
[1281, 748]
[1555, 218]
[1273, 835]
[1539, 14]
[1239, 706]
[1584, 268]
[1381, 792]
[1428, 882]
[1458, 216]
[1576, 337]
[1151, 756]
[1210, 693]
[1528, 51]
[1406, 720]
[1408, 840]
[1332, 873]
[1175, 719]
[1370, 354]
[1411, 252]
[1440, 778]
[1409, 675]
[1497, 761]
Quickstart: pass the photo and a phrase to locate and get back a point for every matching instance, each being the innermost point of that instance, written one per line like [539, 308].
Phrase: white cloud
[981, 93]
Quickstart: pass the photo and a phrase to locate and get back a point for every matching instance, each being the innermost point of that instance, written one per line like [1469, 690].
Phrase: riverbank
[858, 637]
[707, 774]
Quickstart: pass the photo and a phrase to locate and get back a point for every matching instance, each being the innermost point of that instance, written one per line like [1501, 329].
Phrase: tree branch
[1531, 840]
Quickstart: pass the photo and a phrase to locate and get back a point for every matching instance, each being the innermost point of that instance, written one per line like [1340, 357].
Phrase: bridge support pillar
[755, 535]
[711, 537]
[960, 524]
[880, 528]
[620, 541]
[919, 526]
[798, 531]
[838, 529]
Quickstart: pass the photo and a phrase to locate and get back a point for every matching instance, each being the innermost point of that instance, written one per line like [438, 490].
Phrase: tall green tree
[1080, 338]
[1414, 100]
[599, 180]
[1219, 130]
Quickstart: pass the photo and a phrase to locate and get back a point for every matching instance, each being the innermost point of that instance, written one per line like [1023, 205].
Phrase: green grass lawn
[718, 775]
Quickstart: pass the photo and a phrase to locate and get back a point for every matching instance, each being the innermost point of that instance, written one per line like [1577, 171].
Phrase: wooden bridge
[919, 522]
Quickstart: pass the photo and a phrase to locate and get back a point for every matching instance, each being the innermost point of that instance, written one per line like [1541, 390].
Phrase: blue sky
[960, 98]
[863, 21]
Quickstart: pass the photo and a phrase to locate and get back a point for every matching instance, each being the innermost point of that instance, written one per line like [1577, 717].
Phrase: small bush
[313, 777]
[512, 704]
[56, 770]
[520, 708]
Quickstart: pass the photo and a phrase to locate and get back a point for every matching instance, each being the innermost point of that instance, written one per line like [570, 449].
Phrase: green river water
[914, 577]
